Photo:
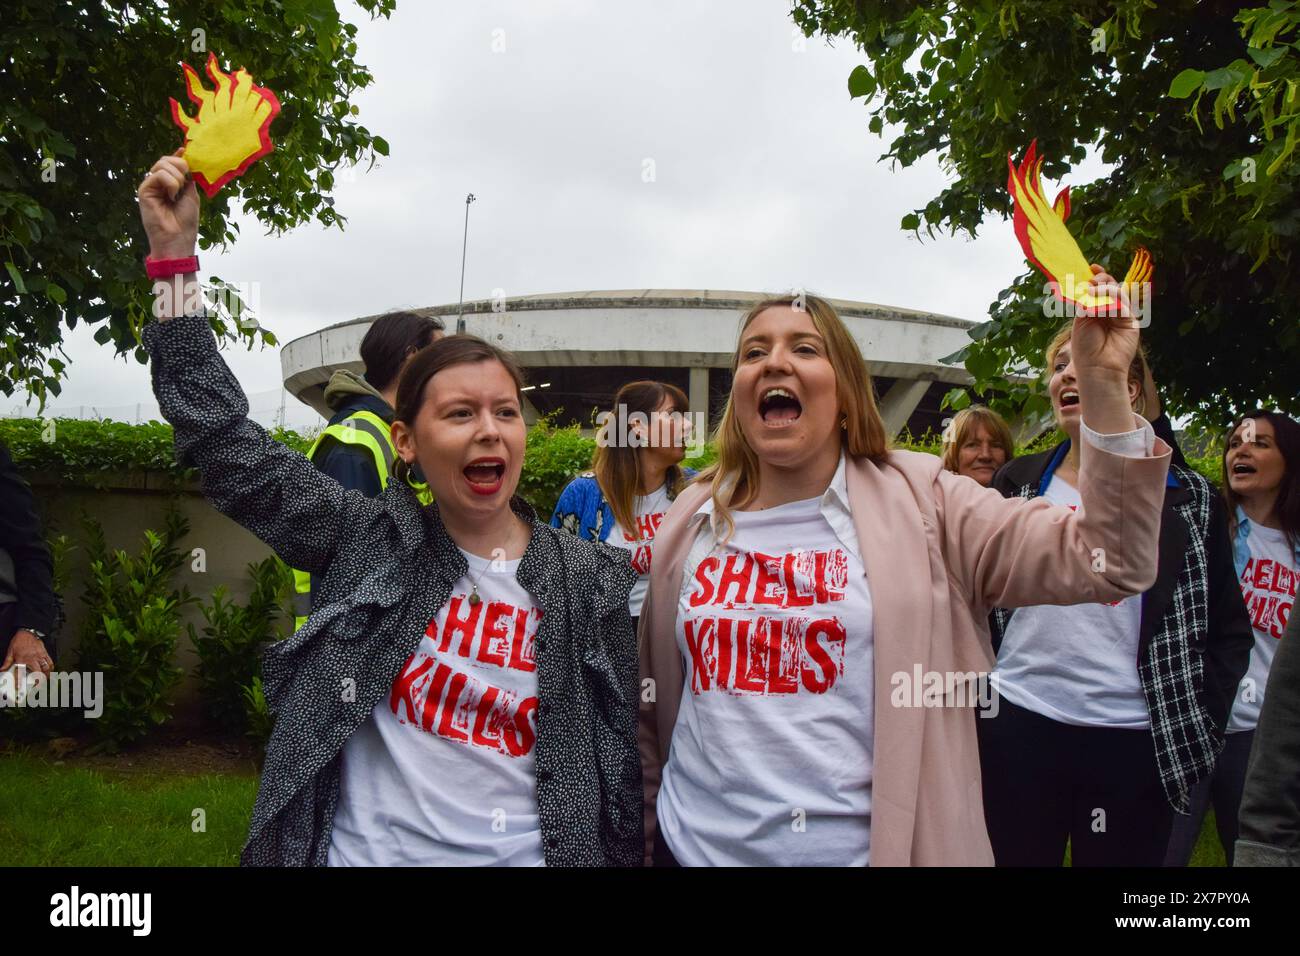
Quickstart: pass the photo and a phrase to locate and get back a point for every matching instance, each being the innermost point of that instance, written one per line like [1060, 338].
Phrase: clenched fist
[169, 208]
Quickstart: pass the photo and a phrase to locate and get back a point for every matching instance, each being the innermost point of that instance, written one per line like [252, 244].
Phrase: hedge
[88, 452]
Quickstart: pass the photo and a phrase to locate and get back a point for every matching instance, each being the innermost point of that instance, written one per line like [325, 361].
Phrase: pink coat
[939, 551]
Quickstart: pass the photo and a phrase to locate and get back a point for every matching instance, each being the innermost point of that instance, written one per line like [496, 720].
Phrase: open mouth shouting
[1069, 398]
[485, 475]
[779, 408]
[1242, 469]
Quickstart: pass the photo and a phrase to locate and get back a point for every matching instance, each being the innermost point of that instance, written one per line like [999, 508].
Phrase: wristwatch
[40, 634]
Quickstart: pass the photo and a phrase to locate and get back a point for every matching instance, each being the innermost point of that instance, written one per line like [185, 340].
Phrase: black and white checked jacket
[387, 565]
[1195, 635]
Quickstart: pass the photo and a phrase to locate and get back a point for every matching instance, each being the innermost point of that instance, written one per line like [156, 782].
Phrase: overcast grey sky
[765, 175]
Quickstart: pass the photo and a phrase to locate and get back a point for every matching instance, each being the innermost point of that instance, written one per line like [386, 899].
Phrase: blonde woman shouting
[809, 589]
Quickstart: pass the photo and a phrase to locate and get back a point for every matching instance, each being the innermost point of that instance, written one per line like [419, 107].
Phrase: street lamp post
[460, 312]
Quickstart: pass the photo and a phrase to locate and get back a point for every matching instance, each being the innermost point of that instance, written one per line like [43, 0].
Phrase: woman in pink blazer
[816, 625]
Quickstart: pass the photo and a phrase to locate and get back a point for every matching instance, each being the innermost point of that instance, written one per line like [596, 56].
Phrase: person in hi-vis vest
[355, 447]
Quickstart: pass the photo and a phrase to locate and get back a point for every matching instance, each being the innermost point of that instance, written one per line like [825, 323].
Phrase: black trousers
[1222, 789]
[1046, 782]
[660, 855]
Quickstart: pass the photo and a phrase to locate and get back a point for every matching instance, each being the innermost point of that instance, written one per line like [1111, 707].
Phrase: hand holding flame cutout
[232, 129]
[1047, 244]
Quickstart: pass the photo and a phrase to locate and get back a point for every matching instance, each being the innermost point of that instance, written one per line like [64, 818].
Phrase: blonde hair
[966, 422]
[734, 476]
[1137, 370]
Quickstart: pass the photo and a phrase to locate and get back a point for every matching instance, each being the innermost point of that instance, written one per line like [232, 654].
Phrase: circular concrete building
[579, 347]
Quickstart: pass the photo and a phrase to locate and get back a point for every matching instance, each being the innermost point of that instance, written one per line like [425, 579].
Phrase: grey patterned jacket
[1195, 635]
[387, 566]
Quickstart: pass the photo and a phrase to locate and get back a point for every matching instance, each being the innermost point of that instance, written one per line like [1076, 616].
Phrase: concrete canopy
[687, 334]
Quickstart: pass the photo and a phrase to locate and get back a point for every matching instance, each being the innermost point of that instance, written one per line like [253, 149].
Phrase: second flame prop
[1040, 227]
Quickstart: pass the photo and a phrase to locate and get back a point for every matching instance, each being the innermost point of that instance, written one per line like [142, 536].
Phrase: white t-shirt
[1268, 584]
[1076, 664]
[771, 756]
[443, 771]
[650, 510]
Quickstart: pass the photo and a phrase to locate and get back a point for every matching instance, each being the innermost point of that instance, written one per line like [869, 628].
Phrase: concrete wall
[125, 506]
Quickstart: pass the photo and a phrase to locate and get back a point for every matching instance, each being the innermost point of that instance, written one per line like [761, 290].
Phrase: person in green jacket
[355, 447]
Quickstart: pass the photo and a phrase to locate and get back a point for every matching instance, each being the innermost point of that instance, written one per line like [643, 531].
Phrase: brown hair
[432, 359]
[1137, 370]
[735, 474]
[1286, 435]
[618, 466]
[966, 422]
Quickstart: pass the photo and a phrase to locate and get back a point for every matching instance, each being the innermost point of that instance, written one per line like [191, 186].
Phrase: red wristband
[166, 268]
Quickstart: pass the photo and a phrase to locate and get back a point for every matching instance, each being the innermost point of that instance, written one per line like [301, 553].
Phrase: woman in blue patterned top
[635, 476]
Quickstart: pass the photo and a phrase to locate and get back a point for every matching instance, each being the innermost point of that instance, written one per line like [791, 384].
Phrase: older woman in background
[977, 443]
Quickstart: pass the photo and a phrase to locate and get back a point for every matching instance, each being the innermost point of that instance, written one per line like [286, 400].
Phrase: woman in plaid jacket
[1100, 742]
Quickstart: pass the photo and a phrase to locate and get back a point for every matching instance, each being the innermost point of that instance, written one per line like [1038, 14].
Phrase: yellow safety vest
[372, 433]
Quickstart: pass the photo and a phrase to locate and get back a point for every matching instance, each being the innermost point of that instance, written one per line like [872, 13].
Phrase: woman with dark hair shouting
[464, 690]
[818, 606]
[1261, 484]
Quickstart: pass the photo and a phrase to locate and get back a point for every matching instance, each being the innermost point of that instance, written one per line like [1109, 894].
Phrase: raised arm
[274, 492]
[1010, 552]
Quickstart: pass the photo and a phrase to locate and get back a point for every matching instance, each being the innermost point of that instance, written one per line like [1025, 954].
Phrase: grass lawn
[54, 814]
[1208, 851]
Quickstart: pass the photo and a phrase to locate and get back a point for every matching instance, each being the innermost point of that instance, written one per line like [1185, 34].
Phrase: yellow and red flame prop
[1048, 244]
[232, 129]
